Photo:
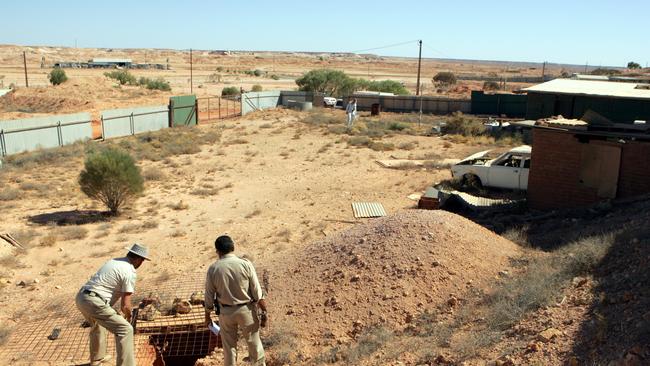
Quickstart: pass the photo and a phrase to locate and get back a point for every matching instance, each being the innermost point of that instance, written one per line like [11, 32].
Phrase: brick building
[575, 166]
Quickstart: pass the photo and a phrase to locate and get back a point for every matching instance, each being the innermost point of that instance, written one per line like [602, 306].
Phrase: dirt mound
[385, 272]
[89, 94]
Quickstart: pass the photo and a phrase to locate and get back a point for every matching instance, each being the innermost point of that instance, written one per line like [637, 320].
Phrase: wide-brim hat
[139, 250]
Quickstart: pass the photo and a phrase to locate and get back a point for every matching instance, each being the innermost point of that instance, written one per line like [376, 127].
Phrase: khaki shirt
[233, 280]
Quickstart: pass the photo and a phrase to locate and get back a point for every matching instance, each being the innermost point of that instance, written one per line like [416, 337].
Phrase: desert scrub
[111, 177]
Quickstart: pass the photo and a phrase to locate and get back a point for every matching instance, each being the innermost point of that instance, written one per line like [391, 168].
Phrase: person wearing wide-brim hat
[115, 280]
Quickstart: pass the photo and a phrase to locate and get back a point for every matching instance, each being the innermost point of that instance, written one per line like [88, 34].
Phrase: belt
[93, 293]
[235, 306]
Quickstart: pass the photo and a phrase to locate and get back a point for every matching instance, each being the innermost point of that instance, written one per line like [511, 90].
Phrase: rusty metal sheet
[368, 209]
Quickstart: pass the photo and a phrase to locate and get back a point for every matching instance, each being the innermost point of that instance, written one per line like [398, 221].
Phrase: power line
[436, 51]
[383, 47]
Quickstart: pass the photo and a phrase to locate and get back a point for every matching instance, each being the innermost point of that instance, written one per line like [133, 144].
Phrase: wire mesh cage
[170, 325]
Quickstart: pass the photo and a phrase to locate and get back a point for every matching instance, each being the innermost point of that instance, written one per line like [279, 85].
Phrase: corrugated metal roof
[368, 209]
[591, 87]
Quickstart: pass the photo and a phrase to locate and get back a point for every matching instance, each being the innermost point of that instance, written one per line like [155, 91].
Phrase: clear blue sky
[569, 31]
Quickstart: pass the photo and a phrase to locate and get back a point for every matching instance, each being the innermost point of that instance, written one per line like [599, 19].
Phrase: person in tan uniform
[233, 282]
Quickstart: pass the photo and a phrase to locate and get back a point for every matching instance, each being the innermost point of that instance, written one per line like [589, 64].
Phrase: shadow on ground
[74, 217]
[617, 327]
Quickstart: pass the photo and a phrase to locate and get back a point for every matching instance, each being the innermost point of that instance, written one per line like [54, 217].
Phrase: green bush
[257, 88]
[258, 72]
[460, 124]
[445, 78]
[111, 177]
[383, 86]
[122, 76]
[229, 91]
[155, 84]
[633, 65]
[330, 82]
[57, 76]
[274, 77]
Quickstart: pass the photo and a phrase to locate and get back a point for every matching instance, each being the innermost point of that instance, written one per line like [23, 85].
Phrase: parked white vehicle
[509, 170]
[329, 102]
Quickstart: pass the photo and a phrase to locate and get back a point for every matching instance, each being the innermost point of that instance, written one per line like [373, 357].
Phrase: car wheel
[472, 181]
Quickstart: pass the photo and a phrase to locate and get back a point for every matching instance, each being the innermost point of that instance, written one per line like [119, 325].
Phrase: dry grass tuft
[152, 174]
[179, 206]
[9, 194]
[71, 233]
[257, 212]
[177, 233]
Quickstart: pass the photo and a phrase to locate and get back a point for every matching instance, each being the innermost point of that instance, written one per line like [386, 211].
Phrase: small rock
[435, 264]
[36, 280]
[57, 287]
[21, 284]
[453, 301]
[534, 347]
[355, 278]
[548, 334]
[504, 273]
[60, 249]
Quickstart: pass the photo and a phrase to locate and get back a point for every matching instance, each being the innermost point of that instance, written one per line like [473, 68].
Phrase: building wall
[557, 160]
[619, 110]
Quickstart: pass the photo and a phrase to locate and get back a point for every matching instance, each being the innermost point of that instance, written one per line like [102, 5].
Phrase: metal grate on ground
[368, 209]
[179, 335]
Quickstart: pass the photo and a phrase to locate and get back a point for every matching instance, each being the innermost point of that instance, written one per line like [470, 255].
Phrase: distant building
[110, 62]
[620, 102]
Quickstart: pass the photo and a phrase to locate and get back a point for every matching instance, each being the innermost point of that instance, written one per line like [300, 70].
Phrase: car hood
[478, 155]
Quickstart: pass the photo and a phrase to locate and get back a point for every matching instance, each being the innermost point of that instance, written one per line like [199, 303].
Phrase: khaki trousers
[103, 317]
[244, 318]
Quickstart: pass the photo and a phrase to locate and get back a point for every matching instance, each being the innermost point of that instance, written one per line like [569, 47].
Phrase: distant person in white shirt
[351, 110]
[115, 280]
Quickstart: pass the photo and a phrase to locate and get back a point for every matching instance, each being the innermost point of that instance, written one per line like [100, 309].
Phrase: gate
[182, 111]
[215, 108]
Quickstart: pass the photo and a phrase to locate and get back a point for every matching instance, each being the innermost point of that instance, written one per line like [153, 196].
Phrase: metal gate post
[3, 150]
[103, 130]
[59, 134]
[132, 124]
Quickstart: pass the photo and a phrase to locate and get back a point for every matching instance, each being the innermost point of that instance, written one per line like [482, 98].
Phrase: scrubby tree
[329, 82]
[122, 76]
[229, 91]
[384, 86]
[257, 88]
[57, 76]
[444, 78]
[111, 177]
[633, 65]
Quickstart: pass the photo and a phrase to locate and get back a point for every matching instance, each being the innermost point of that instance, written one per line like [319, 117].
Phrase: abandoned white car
[509, 170]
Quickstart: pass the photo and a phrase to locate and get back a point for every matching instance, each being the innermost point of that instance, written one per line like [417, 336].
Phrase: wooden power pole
[417, 87]
[25, 64]
[191, 81]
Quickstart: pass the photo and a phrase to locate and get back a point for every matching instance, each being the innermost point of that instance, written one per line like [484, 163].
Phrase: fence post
[196, 110]
[103, 130]
[2, 143]
[171, 113]
[59, 133]
[132, 124]
[219, 107]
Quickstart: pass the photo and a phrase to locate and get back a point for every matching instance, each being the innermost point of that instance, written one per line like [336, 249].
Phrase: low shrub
[122, 76]
[229, 91]
[111, 177]
[57, 76]
[464, 125]
[257, 88]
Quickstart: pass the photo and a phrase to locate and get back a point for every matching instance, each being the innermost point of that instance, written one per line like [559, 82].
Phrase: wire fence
[211, 109]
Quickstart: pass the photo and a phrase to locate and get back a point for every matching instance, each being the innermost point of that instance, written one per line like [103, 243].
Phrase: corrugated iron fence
[30, 134]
